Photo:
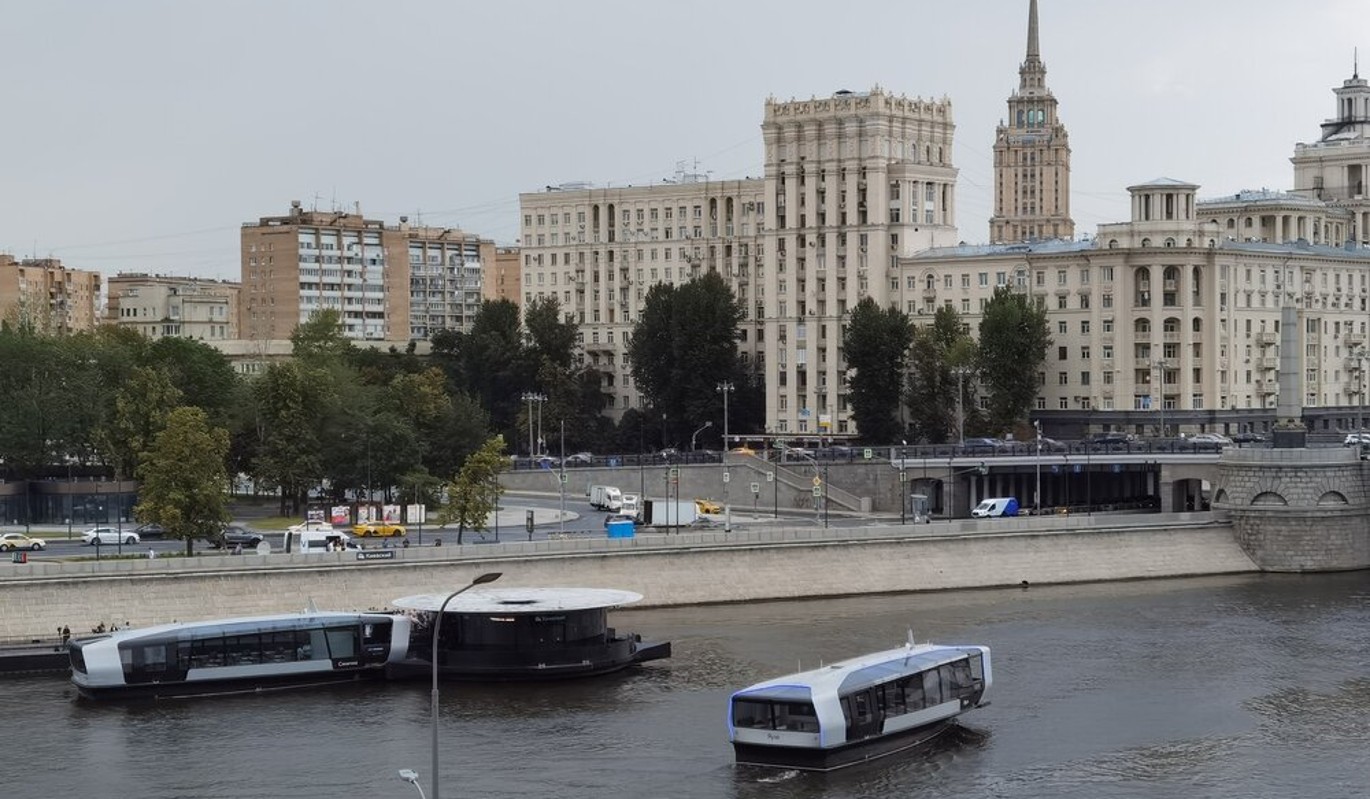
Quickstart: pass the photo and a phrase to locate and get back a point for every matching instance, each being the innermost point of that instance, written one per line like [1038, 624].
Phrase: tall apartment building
[1165, 319]
[853, 183]
[1336, 167]
[388, 282]
[1031, 158]
[504, 282]
[162, 305]
[598, 251]
[51, 297]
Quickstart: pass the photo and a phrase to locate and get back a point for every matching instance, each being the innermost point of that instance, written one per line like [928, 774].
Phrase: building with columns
[1336, 168]
[1163, 321]
[159, 306]
[1031, 158]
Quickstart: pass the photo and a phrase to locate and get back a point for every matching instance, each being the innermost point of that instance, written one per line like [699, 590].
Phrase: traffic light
[982, 468]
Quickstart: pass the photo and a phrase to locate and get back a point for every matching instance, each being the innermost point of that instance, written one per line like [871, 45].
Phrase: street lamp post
[488, 577]
[530, 397]
[725, 388]
[1160, 368]
[410, 776]
[961, 372]
[695, 435]
[1037, 493]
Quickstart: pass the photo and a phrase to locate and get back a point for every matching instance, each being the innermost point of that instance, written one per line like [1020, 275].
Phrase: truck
[669, 512]
[606, 498]
[630, 506]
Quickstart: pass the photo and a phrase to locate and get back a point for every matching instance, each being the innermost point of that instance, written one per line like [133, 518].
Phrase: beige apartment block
[47, 295]
[1164, 319]
[854, 182]
[1336, 167]
[393, 283]
[503, 281]
[1031, 158]
[599, 250]
[163, 305]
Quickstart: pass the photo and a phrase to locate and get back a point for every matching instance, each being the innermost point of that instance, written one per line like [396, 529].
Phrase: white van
[996, 506]
[630, 506]
[606, 497]
[329, 540]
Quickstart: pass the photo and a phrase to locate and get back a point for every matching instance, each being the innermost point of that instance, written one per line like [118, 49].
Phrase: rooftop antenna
[317, 197]
[1355, 63]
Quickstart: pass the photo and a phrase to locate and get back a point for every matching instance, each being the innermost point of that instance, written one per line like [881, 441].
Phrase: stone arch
[1269, 498]
[1332, 498]
[1220, 497]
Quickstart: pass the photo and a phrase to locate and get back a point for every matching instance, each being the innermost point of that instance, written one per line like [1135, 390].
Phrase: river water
[1252, 686]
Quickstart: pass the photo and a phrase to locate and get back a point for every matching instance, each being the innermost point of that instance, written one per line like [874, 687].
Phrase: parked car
[982, 445]
[1210, 438]
[236, 535]
[1356, 439]
[1111, 440]
[544, 462]
[580, 459]
[377, 529]
[1249, 437]
[148, 531]
[15, 541]
[99, 536]
[1049, 445]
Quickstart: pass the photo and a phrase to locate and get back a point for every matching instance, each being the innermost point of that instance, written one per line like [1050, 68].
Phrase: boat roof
[236, 621]
[856, 673]
[521, 600]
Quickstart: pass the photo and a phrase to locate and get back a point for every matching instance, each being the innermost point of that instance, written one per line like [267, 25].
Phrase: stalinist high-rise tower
[1031, 158]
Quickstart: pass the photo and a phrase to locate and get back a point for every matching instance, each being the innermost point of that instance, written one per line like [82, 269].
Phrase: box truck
[606, 498]
[630, 506]
[669, 512]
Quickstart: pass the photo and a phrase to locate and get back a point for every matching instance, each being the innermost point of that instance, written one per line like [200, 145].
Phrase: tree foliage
[875, 345]
[1014, 337]
[289, 398]
[473, 495]
[684, 345]
[184, 484]
[937, 351]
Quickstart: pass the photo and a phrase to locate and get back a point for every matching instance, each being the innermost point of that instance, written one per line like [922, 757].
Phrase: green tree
[1014, 337]
[184, 484]
[473, 495]
[291, 401]
[141, 407]
[685, 344]
[201, 373]
[321, 337]
[875, 344]
[552, 339]
[937, 350]
[492, 363]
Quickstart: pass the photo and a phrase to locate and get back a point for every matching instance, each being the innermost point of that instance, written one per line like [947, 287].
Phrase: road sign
[675, 472]
[727, 478]
[817, 491]
[770, 477]
[563, 477]
[756, 488]
[868, 453]
[903, 476]
[817, 481]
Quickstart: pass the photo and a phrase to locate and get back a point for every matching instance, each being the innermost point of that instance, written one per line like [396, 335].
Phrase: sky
[140, 134]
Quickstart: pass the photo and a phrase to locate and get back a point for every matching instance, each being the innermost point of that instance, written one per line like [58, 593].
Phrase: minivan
[996, 506]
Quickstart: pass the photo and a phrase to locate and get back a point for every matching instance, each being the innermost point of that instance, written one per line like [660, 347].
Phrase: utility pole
[1037, 495]
[962, 372]
[725, 388]
[530, 397]
[561, 481]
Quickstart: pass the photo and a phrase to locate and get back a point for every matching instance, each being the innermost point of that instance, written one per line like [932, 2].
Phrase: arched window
[1141, 326]
[1113, 244]
[1171, 325]
[1142, 296]
[1169, 242]
[1146, 242]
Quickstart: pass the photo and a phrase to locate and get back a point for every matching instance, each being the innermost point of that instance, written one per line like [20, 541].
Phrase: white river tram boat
[238, 655]
[859, 709]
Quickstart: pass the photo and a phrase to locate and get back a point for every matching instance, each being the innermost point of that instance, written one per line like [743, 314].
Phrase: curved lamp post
[488, 577]
[412, 777]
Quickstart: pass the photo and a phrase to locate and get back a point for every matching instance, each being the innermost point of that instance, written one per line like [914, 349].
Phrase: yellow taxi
[707, 506]
[377, 529]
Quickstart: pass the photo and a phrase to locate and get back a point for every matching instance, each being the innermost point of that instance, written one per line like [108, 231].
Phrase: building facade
[160, 305]
[598, 251]
[388, 282]
[1336, 167]
[853, 183]
[1031, 158]
[1164, 323]
[50, 297]
[503, 282]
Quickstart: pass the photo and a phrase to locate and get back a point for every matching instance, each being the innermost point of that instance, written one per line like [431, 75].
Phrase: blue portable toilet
[621, 529]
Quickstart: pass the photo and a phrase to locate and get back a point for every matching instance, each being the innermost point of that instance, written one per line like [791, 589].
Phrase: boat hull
[834, 758]
[227, 687]
[532, 665]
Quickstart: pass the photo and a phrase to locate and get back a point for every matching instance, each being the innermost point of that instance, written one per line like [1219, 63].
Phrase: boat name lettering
[344, 664]
[380, 554]
[549, 618]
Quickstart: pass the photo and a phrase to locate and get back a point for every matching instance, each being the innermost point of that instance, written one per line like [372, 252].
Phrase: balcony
[1266, 388]
[1267, 363]
[1354, 339]
[1267, 338]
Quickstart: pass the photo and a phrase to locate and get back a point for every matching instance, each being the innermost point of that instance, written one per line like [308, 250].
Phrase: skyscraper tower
[1031, 158]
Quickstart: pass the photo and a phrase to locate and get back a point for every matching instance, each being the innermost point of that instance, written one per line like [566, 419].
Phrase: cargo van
[329, 540]
[606, 498]
[630, 506]
[996, 506]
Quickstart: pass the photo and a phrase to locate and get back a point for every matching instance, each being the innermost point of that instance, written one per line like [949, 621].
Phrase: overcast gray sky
[140, 134]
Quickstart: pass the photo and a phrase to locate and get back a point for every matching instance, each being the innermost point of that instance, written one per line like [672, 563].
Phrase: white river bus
[522, 634]
[857, 710]
[239, 655]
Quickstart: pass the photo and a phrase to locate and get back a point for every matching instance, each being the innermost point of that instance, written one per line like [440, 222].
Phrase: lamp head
[409, 775]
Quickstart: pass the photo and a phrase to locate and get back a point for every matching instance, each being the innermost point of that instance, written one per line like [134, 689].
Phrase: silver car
[98, 536]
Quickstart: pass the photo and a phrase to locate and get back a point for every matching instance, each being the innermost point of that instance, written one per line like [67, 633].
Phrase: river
[1251, 686]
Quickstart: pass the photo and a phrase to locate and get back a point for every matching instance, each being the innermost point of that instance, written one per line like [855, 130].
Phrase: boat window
[752, 715]
[207, 653]
[242, 650]
[760, 715]
[342, 642]
[932, 687]
[78, 658]
[892, 699]
[798, 716]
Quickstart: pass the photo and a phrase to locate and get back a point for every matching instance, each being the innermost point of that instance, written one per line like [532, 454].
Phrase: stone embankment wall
[688, 568]
[1297, 510]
